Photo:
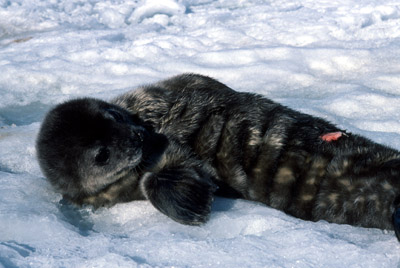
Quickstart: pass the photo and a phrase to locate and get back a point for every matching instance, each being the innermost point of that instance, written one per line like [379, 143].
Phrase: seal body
[194, 137]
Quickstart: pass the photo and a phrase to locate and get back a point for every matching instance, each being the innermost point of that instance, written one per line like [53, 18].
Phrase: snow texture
[338, 59]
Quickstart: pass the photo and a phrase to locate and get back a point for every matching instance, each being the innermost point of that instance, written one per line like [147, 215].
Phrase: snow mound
[150, 8]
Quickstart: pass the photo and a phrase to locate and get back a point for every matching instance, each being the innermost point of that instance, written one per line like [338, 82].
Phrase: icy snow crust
[338, 59]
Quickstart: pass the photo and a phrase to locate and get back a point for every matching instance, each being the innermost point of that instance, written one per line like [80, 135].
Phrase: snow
[337, 59]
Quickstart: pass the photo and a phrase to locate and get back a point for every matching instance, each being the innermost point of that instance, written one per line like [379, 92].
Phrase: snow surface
[338, 59]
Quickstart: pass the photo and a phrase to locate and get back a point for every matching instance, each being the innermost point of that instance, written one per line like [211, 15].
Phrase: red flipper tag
[332, 136]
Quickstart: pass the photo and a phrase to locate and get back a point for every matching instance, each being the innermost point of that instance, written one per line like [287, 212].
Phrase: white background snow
[338, 59]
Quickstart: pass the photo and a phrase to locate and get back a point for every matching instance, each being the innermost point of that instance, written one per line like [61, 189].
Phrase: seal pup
[183, 140]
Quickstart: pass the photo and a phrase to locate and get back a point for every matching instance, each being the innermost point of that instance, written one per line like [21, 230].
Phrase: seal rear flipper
[396, 217]
[181, 194]
[396, 222]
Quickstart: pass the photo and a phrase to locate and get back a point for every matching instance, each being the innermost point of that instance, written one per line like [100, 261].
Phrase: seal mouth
[132, 166]
[96, 183]
[123, 172]
[98, 186]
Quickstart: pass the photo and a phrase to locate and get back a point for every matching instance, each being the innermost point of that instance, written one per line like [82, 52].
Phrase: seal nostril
[140, 135]
[137, 135]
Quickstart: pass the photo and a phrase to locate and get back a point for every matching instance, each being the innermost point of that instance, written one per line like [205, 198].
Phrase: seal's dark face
[86, 144]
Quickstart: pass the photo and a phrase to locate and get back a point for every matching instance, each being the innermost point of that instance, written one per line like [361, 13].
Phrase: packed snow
[337, 59]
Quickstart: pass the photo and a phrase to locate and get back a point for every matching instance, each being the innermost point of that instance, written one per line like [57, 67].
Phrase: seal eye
[102, 156]
[117, 116]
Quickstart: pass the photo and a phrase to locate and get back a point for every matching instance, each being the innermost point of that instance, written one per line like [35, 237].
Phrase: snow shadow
[23, 115]
[222, 204]
[12, 249]
[76, 217]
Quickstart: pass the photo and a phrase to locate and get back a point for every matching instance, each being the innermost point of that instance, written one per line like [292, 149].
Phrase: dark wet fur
[198, 135]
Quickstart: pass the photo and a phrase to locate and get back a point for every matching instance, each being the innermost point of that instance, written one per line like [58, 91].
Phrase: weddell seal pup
[182, 140]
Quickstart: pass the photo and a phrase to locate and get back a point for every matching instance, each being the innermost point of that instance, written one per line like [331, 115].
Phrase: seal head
[84, 145]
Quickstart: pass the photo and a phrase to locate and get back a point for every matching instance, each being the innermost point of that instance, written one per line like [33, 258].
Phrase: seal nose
[137, 135]
[140, 135]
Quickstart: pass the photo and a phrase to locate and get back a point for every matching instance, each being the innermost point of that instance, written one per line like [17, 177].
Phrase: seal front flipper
[183, 194]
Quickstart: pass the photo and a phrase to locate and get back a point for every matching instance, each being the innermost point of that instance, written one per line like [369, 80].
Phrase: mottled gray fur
[178, 141]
